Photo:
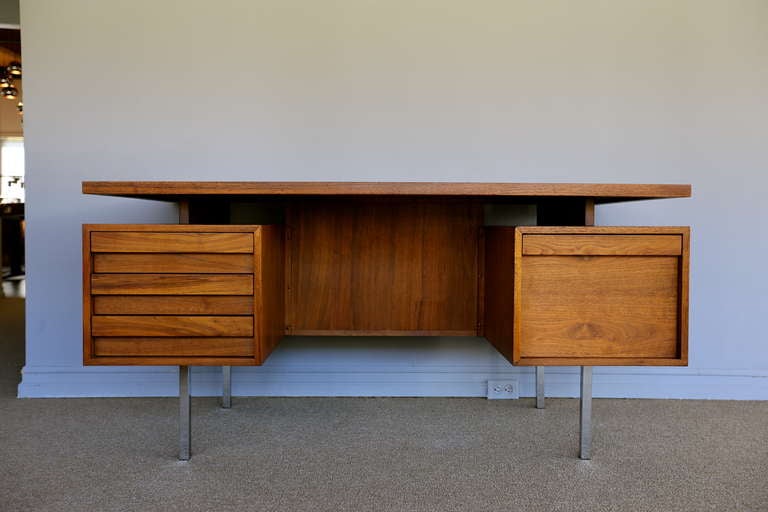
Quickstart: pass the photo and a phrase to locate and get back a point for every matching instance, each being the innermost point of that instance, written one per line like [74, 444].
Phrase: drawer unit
[600, 296]
[181, 294]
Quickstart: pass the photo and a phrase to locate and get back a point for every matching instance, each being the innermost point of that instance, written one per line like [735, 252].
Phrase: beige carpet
[377, 454]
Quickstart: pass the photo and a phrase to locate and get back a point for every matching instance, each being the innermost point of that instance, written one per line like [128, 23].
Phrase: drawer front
[173, 347]
[602, 245]
[601, 296]
[127, 263]
[164, 242]
[172, 305]
[171, 325]
[171, 284]
[170, 294]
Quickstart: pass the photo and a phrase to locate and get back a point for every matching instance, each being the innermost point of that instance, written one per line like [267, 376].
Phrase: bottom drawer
[170, 347]
[601, 296]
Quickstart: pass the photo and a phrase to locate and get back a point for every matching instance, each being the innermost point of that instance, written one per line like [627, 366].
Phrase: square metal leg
[226, 388]
[185, 438]
[540, 387]
[585, 414]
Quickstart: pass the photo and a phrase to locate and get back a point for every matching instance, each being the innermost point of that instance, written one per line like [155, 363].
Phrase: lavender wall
[590, 91]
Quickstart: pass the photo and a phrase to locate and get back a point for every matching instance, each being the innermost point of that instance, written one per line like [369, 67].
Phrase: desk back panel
[383, 266]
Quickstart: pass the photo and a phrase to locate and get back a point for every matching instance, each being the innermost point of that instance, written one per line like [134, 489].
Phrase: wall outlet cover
[503, 389]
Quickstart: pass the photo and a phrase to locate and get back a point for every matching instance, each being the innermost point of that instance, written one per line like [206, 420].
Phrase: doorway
[12, 208]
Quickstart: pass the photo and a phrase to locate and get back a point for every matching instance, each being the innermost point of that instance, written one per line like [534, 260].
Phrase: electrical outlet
[503, 389]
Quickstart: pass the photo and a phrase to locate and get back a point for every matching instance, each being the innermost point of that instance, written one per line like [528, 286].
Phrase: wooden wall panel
[385, 267]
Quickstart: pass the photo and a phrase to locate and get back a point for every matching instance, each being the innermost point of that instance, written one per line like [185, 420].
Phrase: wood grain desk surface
[174, 190]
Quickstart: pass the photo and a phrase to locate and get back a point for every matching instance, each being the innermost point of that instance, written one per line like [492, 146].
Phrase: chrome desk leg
[185, 440]
[585, 414]
[539, 387]
[226, 388]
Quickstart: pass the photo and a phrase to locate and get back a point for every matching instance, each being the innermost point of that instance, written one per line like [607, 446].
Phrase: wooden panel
[599, 307]
[165, 347]
[499, 288]
[601, 245]
[269, 284]
[88, 349]
[172, 305]
[171, 284]
[171, 190]
[119, 241]
[173, 263]
[683, 291]
[178, 326]
[380, 266]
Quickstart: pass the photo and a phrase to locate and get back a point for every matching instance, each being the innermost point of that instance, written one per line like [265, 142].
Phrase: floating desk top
[173, 190]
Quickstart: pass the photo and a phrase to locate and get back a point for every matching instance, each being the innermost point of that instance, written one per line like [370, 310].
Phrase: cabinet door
[181, 294]
[600, 296]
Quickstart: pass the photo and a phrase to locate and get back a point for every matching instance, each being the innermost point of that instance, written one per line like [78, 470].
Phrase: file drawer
[600, 296]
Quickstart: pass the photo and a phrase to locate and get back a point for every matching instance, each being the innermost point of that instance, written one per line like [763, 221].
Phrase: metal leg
[585, 414]
[226, 388]
[185, 439]
[539, 387]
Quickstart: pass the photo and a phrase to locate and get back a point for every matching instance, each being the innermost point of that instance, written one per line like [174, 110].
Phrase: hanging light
[20, 108]
[10, 93]
[6, 82]
[14, 69]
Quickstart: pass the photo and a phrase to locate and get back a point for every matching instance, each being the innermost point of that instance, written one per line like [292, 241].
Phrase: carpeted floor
[377, 454]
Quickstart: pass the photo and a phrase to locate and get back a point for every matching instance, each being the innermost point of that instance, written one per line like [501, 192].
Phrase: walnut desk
[251, 262]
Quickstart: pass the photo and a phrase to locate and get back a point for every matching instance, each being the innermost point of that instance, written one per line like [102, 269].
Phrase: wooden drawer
[126, 263]
[181, 294]
[164, 242]
[171, 284]
[600, 296]
[171, 325]
[171, 305]
[173, 347]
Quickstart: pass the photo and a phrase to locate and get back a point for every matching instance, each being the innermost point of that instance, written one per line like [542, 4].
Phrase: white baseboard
[391, 380]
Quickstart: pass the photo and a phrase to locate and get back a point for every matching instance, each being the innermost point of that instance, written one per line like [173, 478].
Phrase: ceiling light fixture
[10, 93]
[14, 69]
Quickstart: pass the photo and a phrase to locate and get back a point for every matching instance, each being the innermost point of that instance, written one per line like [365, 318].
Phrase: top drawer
[565, 244]
[151, 242]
